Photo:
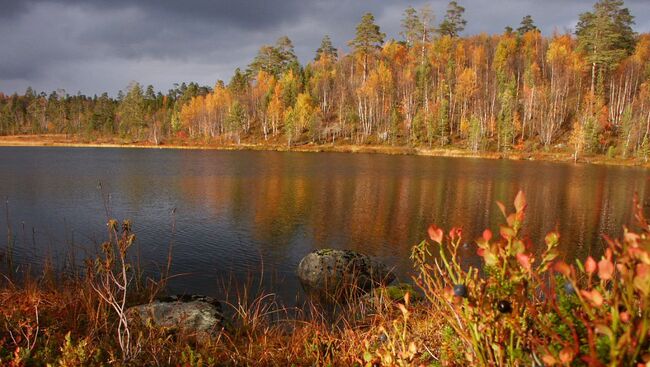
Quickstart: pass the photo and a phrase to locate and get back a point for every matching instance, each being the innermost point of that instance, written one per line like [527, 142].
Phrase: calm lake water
[237, 211]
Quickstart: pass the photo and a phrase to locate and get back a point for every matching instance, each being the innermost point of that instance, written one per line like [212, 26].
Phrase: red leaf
[506, 232]
[566, 355]
[590, 265]
[524, 261]
[435, 234]
[594, 297]
[605, 269]
[455, 233]
[563, 268]
[487, 235]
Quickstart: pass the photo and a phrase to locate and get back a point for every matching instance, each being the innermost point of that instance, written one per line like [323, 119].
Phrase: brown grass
[37, 316]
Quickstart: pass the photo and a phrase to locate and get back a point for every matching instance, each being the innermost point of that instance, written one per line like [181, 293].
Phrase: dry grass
[67, 324]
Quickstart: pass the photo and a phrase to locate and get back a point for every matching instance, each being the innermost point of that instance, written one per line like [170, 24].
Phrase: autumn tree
[323, 74]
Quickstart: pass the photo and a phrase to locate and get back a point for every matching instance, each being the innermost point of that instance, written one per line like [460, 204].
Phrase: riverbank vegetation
[580, 93]
[523, 306]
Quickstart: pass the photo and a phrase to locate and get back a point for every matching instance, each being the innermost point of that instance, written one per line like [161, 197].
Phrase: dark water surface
[238, 210]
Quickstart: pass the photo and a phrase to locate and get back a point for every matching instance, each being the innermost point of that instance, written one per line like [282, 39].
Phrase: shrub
[519, 309]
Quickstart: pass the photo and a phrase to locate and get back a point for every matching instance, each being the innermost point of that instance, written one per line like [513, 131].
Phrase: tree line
[587, 92]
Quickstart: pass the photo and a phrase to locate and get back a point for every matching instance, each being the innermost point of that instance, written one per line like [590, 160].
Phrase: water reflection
[237, 210]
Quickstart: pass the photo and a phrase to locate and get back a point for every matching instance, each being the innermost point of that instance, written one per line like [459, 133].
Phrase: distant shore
[62, 140]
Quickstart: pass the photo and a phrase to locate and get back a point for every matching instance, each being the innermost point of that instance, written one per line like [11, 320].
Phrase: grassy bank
[520, 309]
[61, 140]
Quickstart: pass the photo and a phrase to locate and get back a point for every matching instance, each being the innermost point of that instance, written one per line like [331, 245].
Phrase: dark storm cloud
[95, 45]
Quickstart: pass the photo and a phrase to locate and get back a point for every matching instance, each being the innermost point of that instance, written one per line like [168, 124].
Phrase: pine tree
[239, 83]
[236, 120]
[131, 110]
[275, 60]
[454, 23]
[368, 40]
[606, 36]
[411, 26]
[326, 49]
[527, 25]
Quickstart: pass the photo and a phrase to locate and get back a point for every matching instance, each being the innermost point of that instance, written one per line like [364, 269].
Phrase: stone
[341, 272]
[190, 313]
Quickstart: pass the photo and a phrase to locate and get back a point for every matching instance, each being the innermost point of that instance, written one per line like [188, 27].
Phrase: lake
[237, 212]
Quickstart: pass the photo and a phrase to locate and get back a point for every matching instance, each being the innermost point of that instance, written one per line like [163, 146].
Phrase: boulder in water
[341, 272]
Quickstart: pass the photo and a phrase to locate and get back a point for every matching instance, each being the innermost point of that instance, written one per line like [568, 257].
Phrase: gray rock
[194, 314]
[341, 272]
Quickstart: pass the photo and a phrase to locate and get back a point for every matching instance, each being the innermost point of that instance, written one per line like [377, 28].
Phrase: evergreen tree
[417, 29]
[527, 25]
[239, 83]
[326, 48]
[368, 40]
[274, 60]
[285, 49]
[606, 36]
[411, 26]
[102, 118]
[131, 110]
[236, 120]
[454, 23]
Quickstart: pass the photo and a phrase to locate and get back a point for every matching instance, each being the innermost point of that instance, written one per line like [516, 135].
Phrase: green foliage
[442, 126]
[131, 111]
[236, 119]
[606, 36]
[395, 122]
[103, 116]
[275, 60]
[74, 354]
[506, 119]
[476, 136]
[417, 127]
[411, 26]
[527, 25]
[368, 37]
[326, 49]
[454, 22]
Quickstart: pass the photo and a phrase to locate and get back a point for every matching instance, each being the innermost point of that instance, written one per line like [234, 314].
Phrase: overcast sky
[94, 46]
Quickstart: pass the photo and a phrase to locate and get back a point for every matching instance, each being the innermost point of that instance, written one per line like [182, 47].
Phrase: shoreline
[60, 140]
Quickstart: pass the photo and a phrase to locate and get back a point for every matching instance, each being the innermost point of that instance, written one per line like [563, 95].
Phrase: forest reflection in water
[238, 210]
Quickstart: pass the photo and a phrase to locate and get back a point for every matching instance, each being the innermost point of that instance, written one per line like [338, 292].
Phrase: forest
[586, 92]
